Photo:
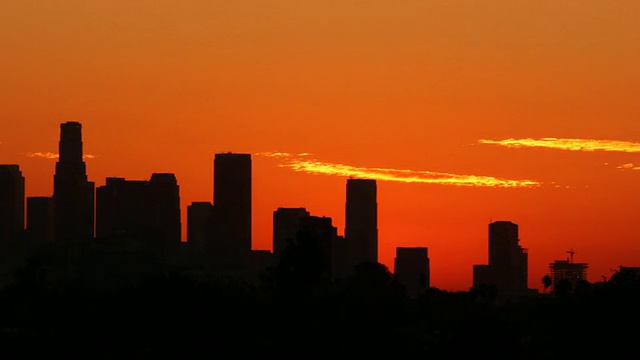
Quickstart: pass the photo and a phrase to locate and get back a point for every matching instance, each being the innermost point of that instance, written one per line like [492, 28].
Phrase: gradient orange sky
[422, 87]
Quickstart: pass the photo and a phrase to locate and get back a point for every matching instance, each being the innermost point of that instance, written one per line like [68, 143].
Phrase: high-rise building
[140, 210]
[508, 261]
[40, 222]
[314, 242]
[361, 220]
[411, 268]
[199, 224]
[286, 222]
[11, 203]
[73, 194]
[232, 205]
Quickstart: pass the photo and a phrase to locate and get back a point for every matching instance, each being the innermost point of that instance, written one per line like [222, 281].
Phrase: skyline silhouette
[462, 112]
[228, 223]
[298, 179]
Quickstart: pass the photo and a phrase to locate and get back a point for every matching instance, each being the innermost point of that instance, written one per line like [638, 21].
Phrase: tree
[546, 282]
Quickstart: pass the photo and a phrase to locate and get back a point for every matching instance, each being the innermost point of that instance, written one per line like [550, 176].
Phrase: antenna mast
[571, 252]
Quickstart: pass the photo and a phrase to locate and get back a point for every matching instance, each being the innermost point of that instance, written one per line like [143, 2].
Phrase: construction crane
[571, 253]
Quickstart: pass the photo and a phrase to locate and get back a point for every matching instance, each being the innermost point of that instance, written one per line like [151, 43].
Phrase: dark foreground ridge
[97, 301]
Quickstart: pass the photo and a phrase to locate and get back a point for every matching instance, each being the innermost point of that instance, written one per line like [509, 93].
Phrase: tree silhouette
[546, 282]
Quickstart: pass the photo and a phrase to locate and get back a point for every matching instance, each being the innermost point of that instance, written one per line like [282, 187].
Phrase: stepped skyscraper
[73, 194]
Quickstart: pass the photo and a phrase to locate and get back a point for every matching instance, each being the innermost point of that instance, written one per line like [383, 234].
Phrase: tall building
[286, 222]
[73, 194]
[361, 220]
[508, 261]
[411, 268]
[11, 203]
[199, 224]
[40, 221]
[232, 206]
[314, 242]
[140, 210]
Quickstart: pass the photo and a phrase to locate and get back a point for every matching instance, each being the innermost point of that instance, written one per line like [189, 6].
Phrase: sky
[466, 112]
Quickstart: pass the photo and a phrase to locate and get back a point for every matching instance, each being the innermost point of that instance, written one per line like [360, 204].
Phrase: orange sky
[432, 86]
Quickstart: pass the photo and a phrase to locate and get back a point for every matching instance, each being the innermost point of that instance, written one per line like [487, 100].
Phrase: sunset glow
[464, 111]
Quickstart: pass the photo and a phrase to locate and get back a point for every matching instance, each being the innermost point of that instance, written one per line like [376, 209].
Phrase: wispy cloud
[305, 163]
[629, 166]
[50, 155]
[568, 144]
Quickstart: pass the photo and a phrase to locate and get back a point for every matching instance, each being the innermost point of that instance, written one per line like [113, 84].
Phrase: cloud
[50, 155]
[568, 144]
[629, 166]
[304, 163]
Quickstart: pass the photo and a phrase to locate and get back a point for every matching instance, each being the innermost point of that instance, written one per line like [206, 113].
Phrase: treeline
[93, 303]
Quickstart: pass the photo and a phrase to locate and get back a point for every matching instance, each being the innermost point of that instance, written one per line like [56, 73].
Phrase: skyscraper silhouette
[508, 261]
[73, 194]
[361, 220]
[232, 205]
[40, 220]
[411, 268]
[140, 210]
[11, 203]
[199, 224]
[286, 222]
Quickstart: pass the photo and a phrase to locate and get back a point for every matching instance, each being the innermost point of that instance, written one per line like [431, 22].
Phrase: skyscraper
[232, 205]
[73, 194]
[199, 224]
[40, 221]
[313, 244]
[286, 222]
[411, 268]
[508, 261]
[361, 220]
[11, 203]
[140, 210]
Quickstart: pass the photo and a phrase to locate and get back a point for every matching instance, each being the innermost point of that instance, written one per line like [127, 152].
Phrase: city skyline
[122, 202]
[465, 114]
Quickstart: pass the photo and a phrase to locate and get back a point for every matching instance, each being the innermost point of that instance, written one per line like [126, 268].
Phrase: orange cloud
[568, 144]
[303, 163]
[50, 155]
[629, 166]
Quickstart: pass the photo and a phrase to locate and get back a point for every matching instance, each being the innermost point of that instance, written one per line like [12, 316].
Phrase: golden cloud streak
[302, 163]
[629, 166]
[50, 155]
[568, 144]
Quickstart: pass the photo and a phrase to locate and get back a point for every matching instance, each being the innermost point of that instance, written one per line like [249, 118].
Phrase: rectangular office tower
[508, 261]
[40, 222]
[199, 225]
[140, 210]
[232, 205]
[73, 194]
[411, 269]
[361, 220]
[11, 203]
[286, 222]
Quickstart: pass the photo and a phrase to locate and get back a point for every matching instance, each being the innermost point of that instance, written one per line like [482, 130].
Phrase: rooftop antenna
[571, 252]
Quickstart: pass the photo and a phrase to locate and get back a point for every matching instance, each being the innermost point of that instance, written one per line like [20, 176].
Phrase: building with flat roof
[11, 203]
[507, 269]
[411, 268]
[232, 205]
[361, 220]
